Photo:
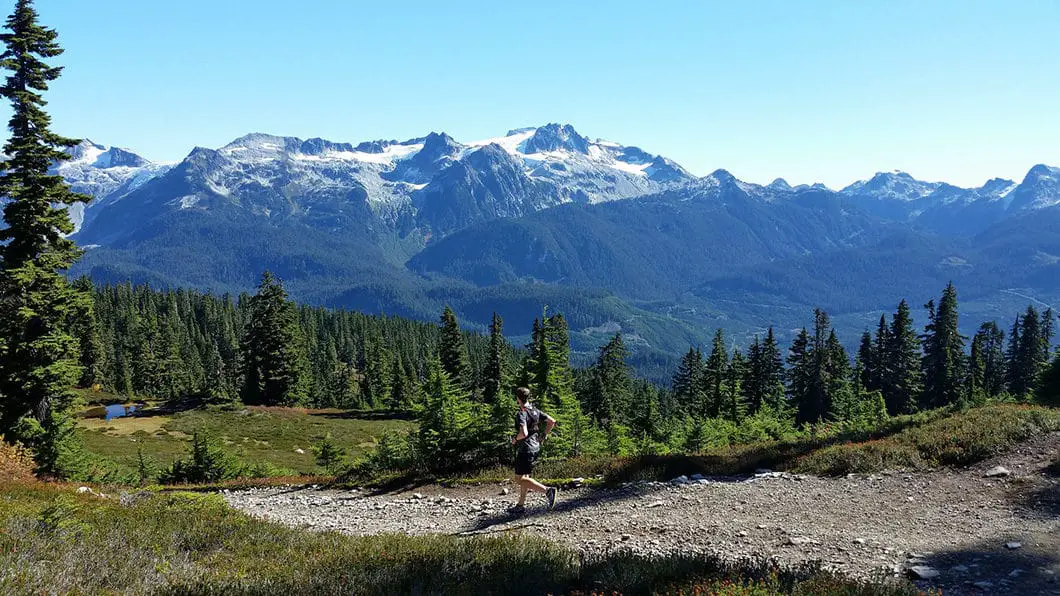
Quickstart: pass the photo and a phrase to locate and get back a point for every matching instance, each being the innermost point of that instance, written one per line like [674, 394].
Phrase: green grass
[54, 541]
[960, 439]
[255, 435]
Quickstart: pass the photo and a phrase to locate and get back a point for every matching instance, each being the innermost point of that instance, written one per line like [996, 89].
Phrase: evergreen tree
[400, 393]
[550, 379]
[219, 389]
[837, 373]
[1048, 330]
[39, 353]
[772, 373]
[943, 358]
[87, 330]
[800, 373]
[886, 347]
[868, 377]
[751, 383]
[144, 469]
[453, 352]
[499, 405]
[1028, 351]
[735, 404]
[688, 384]
[901, 377]
[976, 377]
[612, 382]
[815, 399]
[1048, 392]
[329, 455]
[445, 421]
[275, 365]
[645, 419]
[991, 353]
[714, 373]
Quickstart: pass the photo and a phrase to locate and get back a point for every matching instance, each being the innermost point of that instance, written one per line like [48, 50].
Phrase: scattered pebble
[997, 472]
[922, 572]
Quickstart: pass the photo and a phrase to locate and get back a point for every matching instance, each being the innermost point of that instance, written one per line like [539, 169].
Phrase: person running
[528, 422]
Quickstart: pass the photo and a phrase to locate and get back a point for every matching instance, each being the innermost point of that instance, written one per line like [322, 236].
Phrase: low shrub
[16, 463]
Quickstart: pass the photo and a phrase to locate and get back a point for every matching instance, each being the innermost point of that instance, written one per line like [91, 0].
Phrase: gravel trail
[961, 531]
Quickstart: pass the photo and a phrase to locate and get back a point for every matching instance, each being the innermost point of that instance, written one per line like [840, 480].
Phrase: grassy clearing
[255, 434]
[55, 541]
[919, 442]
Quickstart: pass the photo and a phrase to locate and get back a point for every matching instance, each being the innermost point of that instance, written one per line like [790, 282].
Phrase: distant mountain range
[617, 237]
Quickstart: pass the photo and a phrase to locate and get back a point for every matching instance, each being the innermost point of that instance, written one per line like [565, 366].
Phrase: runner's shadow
[538, 515]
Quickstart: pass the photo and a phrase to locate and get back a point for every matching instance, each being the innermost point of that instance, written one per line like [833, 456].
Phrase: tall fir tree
[772, 373]
[868, 363]
[89, 336]
[497, 423]
[837, 373]
[1048, 330]
[991, 357]
[39, 353]
[901, 376]
[800, 373]
[714, 373]
[446, 420]
[550, 379]
[815, 401]
[645, 417]
[735, 404]
[1048, 392]
[274, 357]
[752, 381]
[453, 352]
[688, 384]
[612, 382]
[1027, 354]
[943, 360]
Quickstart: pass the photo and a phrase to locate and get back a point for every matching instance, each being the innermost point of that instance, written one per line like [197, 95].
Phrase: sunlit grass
[254, 435]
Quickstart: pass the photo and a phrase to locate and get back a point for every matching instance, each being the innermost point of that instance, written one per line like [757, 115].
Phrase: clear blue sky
[959, 90]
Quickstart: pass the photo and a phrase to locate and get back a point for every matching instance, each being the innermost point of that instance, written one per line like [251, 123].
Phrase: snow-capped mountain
[105, 173]
[434, 183]
[950, 209]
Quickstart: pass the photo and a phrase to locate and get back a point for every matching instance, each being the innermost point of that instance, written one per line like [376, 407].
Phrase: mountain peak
[98, 156]
[262, 142]
[722, 175]
[780, 184]
[1041, 171]
[317, 146]
[556, 137]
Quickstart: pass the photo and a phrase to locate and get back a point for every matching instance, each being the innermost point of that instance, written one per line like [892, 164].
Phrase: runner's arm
[550, 422]
[522, 434]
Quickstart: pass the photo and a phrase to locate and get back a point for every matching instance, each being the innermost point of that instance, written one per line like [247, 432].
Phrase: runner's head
[522, 394]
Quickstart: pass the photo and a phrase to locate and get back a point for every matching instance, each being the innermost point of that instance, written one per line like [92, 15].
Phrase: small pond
[111, 412]
[119, 410]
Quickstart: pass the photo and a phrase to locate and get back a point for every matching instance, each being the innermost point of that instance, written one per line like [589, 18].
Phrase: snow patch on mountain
[105, 173]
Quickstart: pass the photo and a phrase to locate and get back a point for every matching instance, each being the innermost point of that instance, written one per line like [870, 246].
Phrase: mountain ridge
[620, 237]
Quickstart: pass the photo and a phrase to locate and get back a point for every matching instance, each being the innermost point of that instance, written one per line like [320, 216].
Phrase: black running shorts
[524, 462]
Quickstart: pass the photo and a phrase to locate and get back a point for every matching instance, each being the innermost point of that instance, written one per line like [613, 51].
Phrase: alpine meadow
[540, 362]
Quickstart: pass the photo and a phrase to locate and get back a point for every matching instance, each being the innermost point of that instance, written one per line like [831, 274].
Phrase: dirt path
[978, 534]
